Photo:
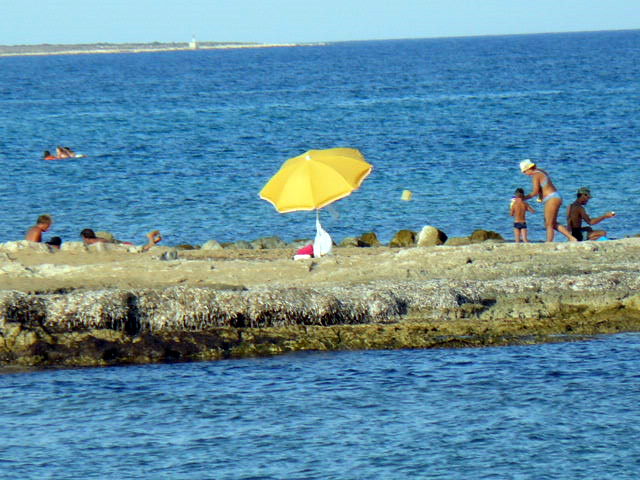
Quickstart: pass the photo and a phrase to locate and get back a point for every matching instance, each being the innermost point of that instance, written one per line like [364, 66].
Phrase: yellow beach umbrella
[315, 179]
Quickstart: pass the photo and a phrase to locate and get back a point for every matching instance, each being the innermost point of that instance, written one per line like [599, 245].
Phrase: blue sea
[561, 411]
[184, 141]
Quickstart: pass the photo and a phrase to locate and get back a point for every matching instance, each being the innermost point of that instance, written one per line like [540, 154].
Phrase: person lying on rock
[154, 238]
[89, 238]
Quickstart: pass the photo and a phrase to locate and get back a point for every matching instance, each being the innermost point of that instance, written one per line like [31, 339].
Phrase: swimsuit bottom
[550, 196]
[520, 225]
[577, 232]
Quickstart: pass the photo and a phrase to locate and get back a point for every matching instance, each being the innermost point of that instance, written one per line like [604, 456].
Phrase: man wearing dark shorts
[576, 214]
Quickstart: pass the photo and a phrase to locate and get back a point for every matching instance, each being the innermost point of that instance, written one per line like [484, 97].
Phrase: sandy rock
[457, 241]
[51, 270]
[110, 247]
[430, 236]
[25, 244]
[169, 255]
[211, 245]
[115, 307]
[14, 268]
[73, 247]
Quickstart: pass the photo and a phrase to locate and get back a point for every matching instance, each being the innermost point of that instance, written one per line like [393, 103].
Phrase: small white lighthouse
[193, 45]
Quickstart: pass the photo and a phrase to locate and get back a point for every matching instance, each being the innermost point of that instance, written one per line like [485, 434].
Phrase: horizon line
[257, 43]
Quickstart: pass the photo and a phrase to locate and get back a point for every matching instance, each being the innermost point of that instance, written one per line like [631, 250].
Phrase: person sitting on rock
[55, 242]
[576, 214]
[43, 223]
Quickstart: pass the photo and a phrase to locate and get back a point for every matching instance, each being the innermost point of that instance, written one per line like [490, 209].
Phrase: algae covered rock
[479, 236]
[349, 242]
[430, 236]
[404, 238]
[300, 242]
[21, 308]
[268, 243]
[239, 245]
[186, 246]
[369, 239]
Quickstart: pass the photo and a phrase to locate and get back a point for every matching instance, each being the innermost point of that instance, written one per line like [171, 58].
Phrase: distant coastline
[91, 48]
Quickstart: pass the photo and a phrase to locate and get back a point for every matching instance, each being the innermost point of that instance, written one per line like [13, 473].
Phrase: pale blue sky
[284, 21]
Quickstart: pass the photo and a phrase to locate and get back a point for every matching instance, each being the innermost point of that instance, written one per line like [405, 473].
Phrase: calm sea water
[557, 411]
[184, 141]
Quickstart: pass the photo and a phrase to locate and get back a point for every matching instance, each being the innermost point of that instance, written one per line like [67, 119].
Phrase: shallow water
[557, 411]
[184, 141]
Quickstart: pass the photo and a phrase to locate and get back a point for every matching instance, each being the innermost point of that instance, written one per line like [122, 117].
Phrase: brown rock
[480, 235]
[268, 242]
[186, 246]
[404, 238]
[350, 242]
[369, 239]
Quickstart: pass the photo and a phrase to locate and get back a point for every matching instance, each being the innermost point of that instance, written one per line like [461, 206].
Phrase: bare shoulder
[576, 209]
[33, 234]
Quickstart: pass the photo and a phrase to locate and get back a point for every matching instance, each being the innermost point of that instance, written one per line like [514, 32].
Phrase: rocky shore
[91, 48]
[112, 304]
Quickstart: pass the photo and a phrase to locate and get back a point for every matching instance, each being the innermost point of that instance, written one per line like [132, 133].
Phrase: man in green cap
[576, 214]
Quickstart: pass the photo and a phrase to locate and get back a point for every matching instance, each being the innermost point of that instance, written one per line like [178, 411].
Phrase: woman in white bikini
[543, 187]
